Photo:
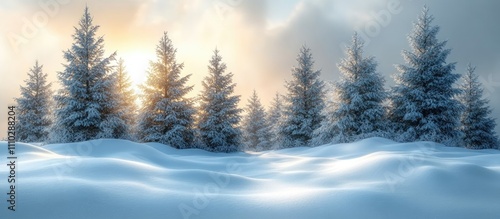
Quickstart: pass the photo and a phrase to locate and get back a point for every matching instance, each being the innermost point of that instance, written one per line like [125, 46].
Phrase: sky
[258, 39]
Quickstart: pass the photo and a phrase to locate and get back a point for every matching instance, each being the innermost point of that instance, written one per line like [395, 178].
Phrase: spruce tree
[219, 115]
[304, 103]
[85, 106]
[33, 107]
[423, 104]
[477, 126]
[125, 97]
[167, 115]
[358, 112]
[328, 130]
[275, 119]
[256, 129]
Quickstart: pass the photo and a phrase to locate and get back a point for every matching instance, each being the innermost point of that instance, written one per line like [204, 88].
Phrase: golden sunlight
[136, 65]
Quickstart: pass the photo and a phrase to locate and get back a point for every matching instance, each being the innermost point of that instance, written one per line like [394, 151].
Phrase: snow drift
[373, 178]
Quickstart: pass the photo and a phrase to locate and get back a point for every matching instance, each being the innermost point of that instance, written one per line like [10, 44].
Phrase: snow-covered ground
[373, 178]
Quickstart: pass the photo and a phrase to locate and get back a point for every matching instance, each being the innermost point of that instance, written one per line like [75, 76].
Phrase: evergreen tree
[167, 115]
[219, 114]
[256, 129]
[359, 95]
[477, 126]
[304, 103]
[125, 97]
[33, 107]
[328, 130]
[85, 106]
[275, 119]
[423, 104]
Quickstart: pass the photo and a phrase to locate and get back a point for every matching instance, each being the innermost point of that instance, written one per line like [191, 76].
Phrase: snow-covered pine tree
[219, 115]
[327, 131]
[477, 126]
[359, 96]
[33, 107]
[256, 129]
[304, 103]
[423, 104]
[167, 115]
[85, 106]
[125, 97]
[275, 119]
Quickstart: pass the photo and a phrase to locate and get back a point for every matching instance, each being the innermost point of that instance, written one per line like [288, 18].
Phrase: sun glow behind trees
[88, 79]
[137, 64]
[258, 39]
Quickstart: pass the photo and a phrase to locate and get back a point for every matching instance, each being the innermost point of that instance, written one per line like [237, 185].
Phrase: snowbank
[374, 178]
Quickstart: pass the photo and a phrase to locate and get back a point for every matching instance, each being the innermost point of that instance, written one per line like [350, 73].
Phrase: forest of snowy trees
[96, 100]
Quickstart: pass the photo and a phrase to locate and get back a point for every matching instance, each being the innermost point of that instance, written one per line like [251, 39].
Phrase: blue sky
[258, 39]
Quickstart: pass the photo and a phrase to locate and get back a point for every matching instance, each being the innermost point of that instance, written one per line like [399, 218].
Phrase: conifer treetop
[423, 101]
[478, 127]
